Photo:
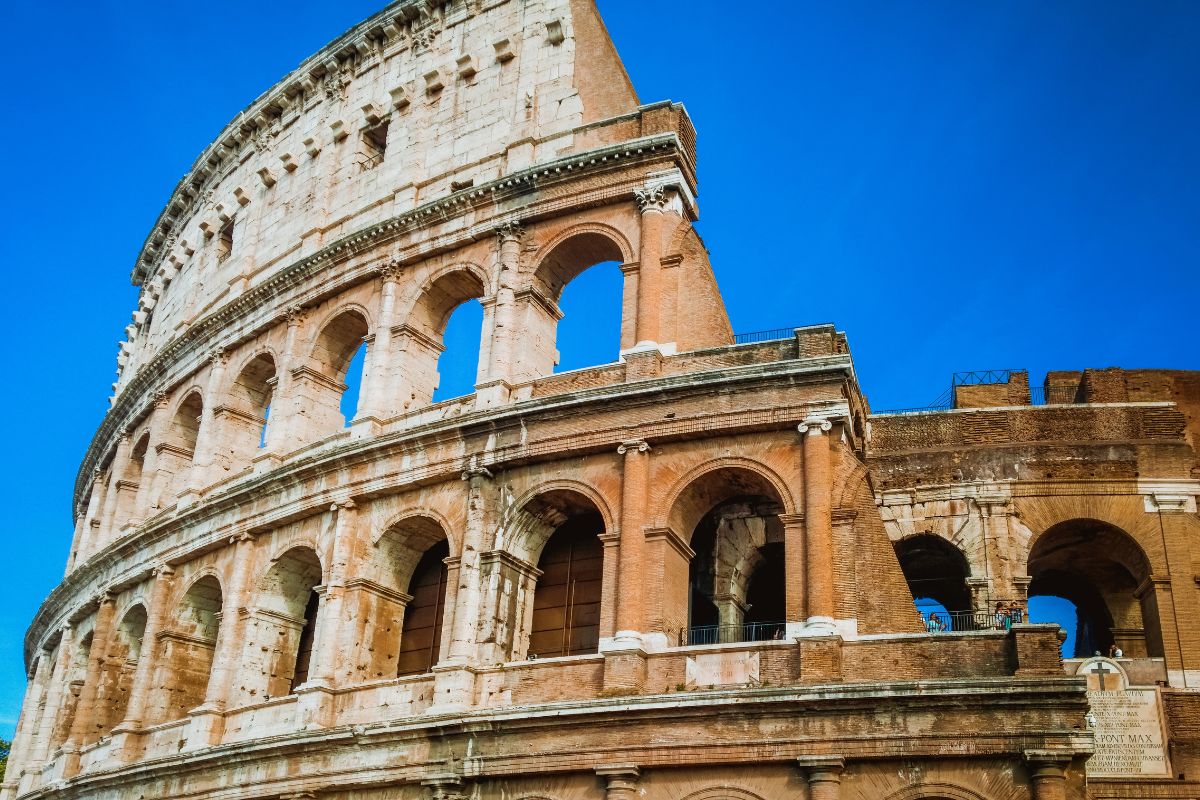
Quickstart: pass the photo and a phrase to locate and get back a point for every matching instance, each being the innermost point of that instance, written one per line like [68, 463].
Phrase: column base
[266, 461]
[206, 727]
[365, 427]
[127, 742]
[624, 664]
[818, 626]
[67, 764]
[492, 393]
[315, 705]
[662, 348]
[453, 689]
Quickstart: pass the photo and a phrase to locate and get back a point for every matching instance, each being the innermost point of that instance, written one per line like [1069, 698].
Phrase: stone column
[147, 499]
[279, 440]
[89, 533]
[1047, 773]
[824, 775]
[454, 680]
[634, 475]
[82, 726]
[316, 695]
[208, 718]
[139, 690]
[620, 781]
[501, 367]
[818, 525]
[652, 203]
[205, 470]
[116, 474]
[55, 692]
[377, 401]
[27, 725]
[794, 601]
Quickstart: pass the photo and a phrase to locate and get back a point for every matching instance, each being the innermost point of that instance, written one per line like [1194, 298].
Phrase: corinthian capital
[390, 271]
[653, 198]
[510, 231]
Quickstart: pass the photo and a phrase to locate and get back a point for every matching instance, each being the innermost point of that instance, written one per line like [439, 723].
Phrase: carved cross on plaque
[1099, 670]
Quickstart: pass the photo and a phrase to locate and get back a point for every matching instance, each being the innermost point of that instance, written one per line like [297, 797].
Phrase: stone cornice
[386, 29]
[131, 554]
[286, 288]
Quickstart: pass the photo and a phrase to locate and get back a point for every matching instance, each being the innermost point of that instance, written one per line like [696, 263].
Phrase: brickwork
[254, 576]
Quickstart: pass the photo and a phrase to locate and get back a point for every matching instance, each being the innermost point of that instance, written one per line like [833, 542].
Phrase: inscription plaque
[1127, 722]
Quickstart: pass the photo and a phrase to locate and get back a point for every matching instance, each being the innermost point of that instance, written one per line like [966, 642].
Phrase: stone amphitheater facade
[687, 574]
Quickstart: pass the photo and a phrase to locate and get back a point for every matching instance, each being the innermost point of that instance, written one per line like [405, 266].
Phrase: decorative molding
[634, 445]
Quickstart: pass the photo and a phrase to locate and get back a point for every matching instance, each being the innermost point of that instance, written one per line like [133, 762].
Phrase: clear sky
[956, 185]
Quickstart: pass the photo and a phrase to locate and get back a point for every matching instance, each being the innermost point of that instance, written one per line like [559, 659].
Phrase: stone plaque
[1127, 722]
[722, 669]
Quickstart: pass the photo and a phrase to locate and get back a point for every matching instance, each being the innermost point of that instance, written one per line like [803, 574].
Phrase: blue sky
[957, 185]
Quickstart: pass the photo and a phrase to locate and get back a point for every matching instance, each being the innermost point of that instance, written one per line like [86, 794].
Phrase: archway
[560, 531]
[736, 586]
[116, 675]
[327, 396]
[1098, 568]
[178, 452]
[243, 420]
[936, 572]
[282, 629]
[422, 346]
[186, 653]
[421, 640]
[540, 311]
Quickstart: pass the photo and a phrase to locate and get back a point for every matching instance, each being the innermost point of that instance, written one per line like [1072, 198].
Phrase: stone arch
[935, 791]
[282, 628]
[518, 525]
[242, 418]
[728, 511]
[536, 311]
[318, 387]
[1102, 571]
[552, 535]
[177, 451]
[116, 675]
[422, 334]
[574, 246]
[757, 471]
[187, 646]
[935, 568]
[723, 792]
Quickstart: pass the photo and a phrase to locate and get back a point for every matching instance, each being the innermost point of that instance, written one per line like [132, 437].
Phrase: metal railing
[369, 161]
[764, 336]
[729, 634]
[959, 621]
[983, 377]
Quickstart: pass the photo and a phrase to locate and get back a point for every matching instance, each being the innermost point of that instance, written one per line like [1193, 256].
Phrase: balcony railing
[960, 621]
[764, 336]
[731, 634]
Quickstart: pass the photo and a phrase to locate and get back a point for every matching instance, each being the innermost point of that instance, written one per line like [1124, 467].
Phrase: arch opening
[735, 579]
[601, 309]
[186, 652]
[286, 620]
[328, 395]
[116, 676]
[177, 454]
[245, 419]
[440, 341]
[421, 638]
[936, 572]
[566, 602]
[1098, 569]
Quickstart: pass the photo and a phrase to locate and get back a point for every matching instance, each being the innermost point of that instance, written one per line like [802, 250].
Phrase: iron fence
[764, 336]
[960, 621]
[729, 634]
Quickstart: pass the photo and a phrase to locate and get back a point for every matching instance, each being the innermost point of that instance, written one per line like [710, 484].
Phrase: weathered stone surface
[672, 576]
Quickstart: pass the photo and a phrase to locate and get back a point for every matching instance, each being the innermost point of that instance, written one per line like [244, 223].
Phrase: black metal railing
[959, 621]
[369, 161]
[729, 634]
[764, 336]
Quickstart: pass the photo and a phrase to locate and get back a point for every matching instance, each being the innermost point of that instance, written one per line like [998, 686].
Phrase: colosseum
[690, 574]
